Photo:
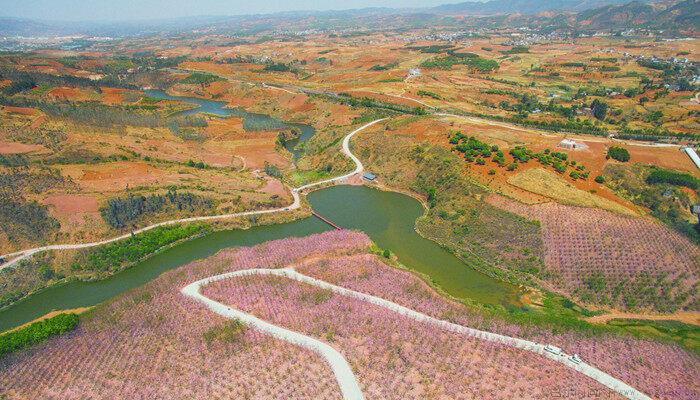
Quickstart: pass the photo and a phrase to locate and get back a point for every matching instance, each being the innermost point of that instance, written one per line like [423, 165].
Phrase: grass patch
[231, 332]
[549, 184]
[299, 178]
[686, 335]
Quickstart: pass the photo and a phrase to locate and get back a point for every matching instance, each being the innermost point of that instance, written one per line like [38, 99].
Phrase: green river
[387, 217]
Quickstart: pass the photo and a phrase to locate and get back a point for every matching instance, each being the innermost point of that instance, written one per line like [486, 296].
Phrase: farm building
[570, 144]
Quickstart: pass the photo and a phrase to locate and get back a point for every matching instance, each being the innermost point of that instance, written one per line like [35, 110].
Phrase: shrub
[426, 93]
[619, 153]
[201, 78]
[272, 170]
[517, 50]
[114, 255]
[600, 109]
[600, 179]
[119, 212]
[196, 164]
[383, 67]
[674, 178]
[37, 332]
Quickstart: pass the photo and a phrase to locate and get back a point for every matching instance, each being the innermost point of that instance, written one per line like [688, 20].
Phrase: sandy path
[342, 370]
[687, 317]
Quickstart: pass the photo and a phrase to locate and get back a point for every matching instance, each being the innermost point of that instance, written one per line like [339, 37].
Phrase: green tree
[600, 109]
[618, 153]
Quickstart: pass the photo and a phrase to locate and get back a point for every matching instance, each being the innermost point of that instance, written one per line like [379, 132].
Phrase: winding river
[387, 217]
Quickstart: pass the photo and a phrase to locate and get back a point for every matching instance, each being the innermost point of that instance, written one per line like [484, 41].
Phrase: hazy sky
[81, 10]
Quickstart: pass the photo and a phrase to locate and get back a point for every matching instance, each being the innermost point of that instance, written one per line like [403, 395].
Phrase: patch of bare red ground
[91, 64]
[73, 203]
[592, 158]
[19, 148]
[275, 187]
[5, 82]
[225, 128]
[218, 88]
[72, 207]
[67, 93]
[44, 69]
[296, 102]
[342, 115]
[112, 96]
[38, 121]
[21, 110]
[175, 52]
[256, 154]
[228, 70]
[119, 176]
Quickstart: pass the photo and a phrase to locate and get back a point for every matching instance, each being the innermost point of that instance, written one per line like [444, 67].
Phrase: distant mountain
[521, 6]
[10, 26]
[685, 14]
[27, 27]
[547, 15]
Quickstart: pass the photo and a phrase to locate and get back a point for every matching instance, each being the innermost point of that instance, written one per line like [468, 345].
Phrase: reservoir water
[251, 121]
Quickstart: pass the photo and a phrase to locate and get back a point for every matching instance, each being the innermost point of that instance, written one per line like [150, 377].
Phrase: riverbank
[52, 314]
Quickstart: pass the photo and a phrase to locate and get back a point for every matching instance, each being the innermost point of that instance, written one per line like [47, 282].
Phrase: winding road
[17, 256]
[346, 379]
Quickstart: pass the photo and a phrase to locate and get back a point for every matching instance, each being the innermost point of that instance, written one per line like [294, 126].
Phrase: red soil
[18, 148]
[67, 93]
[112, 96]
[21, 110]
[38, 121]
[72, 203]
[72, 208]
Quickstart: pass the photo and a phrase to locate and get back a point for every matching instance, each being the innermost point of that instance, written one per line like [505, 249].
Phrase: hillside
[640, 14]
[521, 6]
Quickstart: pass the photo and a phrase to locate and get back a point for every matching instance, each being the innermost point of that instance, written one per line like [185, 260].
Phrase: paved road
[343, 373]
[17, 256]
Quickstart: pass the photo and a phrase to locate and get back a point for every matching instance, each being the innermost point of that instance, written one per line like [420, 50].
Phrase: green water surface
[387, 217]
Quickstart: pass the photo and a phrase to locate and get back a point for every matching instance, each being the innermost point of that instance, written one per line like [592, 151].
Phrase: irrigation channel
[387, 217]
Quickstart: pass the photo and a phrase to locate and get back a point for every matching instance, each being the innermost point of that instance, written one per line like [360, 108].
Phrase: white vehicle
[553, 349]
[575, 359]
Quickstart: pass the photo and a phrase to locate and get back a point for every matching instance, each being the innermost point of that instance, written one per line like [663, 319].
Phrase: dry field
[582, 192]
[96, 164]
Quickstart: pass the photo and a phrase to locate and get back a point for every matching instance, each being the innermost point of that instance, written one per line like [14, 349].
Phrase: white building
[570, 144]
